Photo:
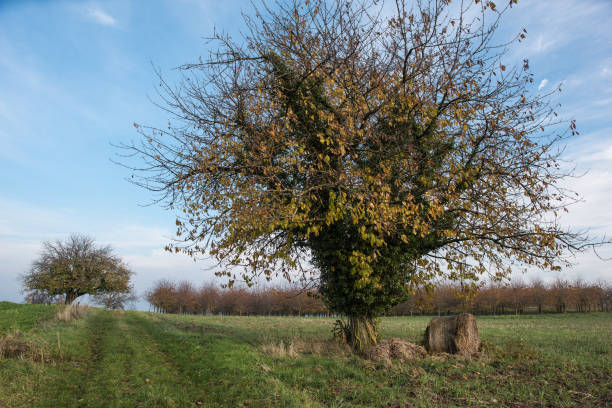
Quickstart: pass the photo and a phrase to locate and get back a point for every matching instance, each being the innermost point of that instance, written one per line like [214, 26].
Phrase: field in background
[151, 360]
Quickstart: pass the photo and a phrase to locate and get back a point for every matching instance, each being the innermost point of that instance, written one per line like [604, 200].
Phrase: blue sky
[75, 75]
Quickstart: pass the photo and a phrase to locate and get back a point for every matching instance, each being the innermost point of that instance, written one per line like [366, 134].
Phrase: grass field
[135, 359]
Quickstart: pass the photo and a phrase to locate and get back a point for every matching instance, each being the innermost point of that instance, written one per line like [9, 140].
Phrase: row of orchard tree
[514, 298]
[184, 297]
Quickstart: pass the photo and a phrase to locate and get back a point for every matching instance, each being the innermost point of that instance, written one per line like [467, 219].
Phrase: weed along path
[135, 359]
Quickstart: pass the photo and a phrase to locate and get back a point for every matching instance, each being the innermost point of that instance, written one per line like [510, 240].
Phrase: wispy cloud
[101, 17]
[543, 84]
[551, 28]
[544, 43]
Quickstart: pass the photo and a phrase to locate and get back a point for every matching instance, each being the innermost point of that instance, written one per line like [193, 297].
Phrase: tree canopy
[77, 267]
[375, 147]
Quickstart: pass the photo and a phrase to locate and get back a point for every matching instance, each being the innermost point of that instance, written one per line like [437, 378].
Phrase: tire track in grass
[95, 332]
[231, 371]
[66, 375]
[120, 368]
[188, 394]
[131, 373]
[149, 330]
[80, 371]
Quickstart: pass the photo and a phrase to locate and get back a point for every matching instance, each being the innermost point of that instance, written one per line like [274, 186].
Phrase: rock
[453, 334]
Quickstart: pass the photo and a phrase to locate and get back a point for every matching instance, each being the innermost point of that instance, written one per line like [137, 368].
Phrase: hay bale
[394, 349]
[453, 334]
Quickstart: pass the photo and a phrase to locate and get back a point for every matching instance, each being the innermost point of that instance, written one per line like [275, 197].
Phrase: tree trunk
[70, 297]
[361, 332]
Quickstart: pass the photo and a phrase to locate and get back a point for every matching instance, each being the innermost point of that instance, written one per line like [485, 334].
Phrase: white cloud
[593, 212]
[102, 17]
[591, 216]
[542, 84]
[591, 154]
[598, 156]
[591, 150]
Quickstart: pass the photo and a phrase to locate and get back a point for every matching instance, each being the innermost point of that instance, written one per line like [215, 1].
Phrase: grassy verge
[129, 359]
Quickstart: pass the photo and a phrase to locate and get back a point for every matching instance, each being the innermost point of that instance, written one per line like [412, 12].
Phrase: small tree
[385, 150]
[115, 300]
[77, 267]
[40, 297]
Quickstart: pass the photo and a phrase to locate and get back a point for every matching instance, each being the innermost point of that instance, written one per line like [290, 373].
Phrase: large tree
[384, 146]
[77, 267]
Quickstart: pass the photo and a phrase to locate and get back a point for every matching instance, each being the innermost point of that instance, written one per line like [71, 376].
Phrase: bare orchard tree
[386, 150]
[115, 300]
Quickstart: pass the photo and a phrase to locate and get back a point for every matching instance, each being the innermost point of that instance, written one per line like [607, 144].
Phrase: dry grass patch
[280, 349]
[14, 346]
[11, 346]
[72, 312]
[296, 348]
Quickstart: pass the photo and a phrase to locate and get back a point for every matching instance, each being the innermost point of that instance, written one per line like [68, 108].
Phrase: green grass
[22, 317]
[135, 359]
